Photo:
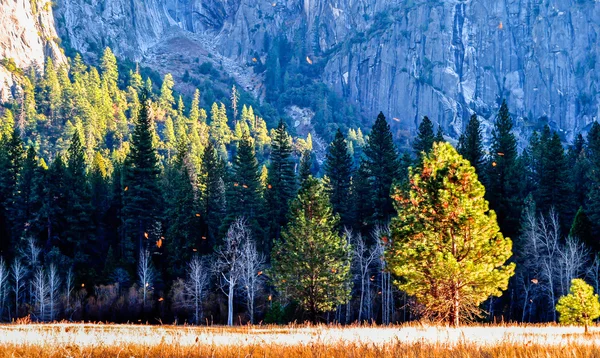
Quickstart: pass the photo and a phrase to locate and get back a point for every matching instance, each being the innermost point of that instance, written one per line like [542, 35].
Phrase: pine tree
[219, 129]
[381, 163]
[553, 189]
[281, 184]
[580, 306]
[579, 172]
[425, 137]
[110, 72]
[55, 203]
[273, 74]
[311, 261]
[439, 137]
[582, 230]
[50, 93]
[78, 67]
[503, 173]
[11, 161]
[182, 216]
[593, 197]
[110, 265]
[338, 168]
[261, 135]
[593, 147]
[7, 124]
[169, 136]
[246, 192]
[446, 247]
[212, 194]
[470, 145]
[166, 100]
[141, 205]
[305, 165]
[195, 107]
[361, 199]
[27, 197]
[78, 216]
[180, 107]
[99, 198]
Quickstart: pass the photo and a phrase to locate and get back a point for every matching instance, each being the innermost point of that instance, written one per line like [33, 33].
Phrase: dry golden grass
[414, 340]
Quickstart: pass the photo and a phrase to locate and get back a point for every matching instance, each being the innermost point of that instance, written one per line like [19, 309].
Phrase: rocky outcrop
[28, 36]
[441, 58]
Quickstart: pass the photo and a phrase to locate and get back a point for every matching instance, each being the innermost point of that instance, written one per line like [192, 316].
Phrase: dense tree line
[119, 202]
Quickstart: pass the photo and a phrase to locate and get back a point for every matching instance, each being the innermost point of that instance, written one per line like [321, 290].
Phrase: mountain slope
[28, 36]
[444, 59]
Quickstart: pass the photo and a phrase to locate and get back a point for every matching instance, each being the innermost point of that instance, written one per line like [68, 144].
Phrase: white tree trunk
[230, 305]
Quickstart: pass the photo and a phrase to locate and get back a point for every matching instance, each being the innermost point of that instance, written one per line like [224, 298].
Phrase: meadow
[413, 340]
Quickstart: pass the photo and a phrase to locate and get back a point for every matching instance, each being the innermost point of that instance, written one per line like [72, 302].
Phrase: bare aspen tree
[31, 255]
[53, 292]
[593, 273]
[380, 235]
[547, 241]
[528, 270]
[547, 263]
[195, 286]
[364, 258]
[18, 273]
[228, 264]
[40, 294]
[68, 291]
[573, 260]
[145, 275]
[3, 286]
[251, 276]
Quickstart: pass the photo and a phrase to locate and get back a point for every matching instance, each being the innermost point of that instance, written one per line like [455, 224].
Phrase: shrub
[580, 306]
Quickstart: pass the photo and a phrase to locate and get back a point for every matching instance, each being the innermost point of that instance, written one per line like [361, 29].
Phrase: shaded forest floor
[100, 340]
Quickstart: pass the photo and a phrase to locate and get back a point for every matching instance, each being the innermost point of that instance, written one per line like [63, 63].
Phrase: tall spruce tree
[579, 172]
[182, 216]
[79, 231]
[548, 175]
[281, 184]
[11, 161]
[246, 192]
[28, 198]
[382, 165]
[593, 197]
[311, 260]
[338, 168]
[553, 189]
[219, 129]
[141, 200]
[305, 165]
[55, 203]
[362, 200]
[470, 145]
[425, 137]
[110, 72]
[212, 195]
[503, 173]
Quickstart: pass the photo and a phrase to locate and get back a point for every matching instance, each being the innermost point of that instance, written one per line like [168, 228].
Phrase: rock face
[441, 58]
[27, 37]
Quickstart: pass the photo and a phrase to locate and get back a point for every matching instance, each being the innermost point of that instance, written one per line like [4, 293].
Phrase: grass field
[98, 340]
